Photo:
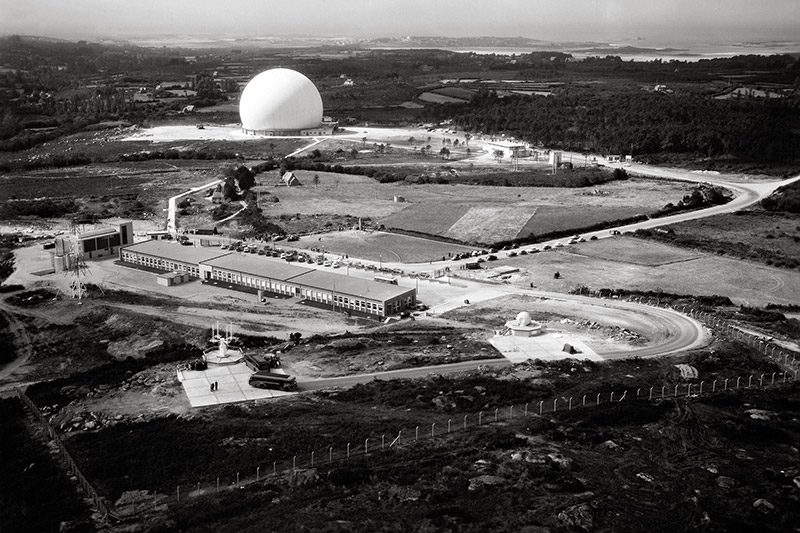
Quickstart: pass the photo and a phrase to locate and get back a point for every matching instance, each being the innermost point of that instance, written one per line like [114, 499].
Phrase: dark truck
[259, 363]
[270, 380]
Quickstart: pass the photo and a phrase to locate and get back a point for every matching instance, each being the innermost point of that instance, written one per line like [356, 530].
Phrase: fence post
[750, 381]
[312, 459]
[274, 467]
[495, 414]
[726, 384]
[511, 412]
[178, 493]
[433, 429]
[637, 392]
[416, 434]
[480, 417]
[598, 399]
[676, 389]
[366, 446]
[612, 397]
[737, 381]
[294, 463]
[541, 406]
[217, 484]
[701, 387]
[237, 481]
[555, 404]
[689, 390]
[570, 403]
[761, 381]
[330, 454]
[773, 379]
[714, 386]
[383, 440]
[583, 402]
[258, 472]
[465, 422]
[448, 424]
[651, 394]
[526, 409]
[348, 450]
[663, 389]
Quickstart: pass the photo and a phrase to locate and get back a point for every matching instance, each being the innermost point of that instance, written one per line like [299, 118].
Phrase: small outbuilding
[290, 180]
[168, 279]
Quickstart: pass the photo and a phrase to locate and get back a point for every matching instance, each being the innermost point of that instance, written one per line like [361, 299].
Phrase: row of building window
[161, 264]
[270, 285]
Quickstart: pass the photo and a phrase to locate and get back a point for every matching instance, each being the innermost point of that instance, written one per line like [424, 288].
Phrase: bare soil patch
[404, 346]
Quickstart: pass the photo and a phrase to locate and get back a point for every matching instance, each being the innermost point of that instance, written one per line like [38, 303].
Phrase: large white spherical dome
[280, 99]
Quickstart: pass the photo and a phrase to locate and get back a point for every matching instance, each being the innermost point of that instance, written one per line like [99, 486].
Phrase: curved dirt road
[681, 333]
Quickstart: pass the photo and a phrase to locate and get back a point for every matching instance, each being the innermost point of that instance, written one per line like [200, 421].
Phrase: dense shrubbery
[640, 123]
[787, 199]
[701, 196]
[223, 211]
[46, 208]
[174, 153]
[564, 178]
[708, 301]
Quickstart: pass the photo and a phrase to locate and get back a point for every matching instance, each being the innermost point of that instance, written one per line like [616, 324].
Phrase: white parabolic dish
[280, 99]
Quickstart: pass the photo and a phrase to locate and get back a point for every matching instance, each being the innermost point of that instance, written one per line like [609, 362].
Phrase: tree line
[639, 123]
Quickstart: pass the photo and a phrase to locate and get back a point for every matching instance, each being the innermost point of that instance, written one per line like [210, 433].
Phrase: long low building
[264, 274]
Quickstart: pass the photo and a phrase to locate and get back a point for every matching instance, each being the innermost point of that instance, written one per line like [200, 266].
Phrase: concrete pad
[225, 380]
[213, 371]
[547, 347]
[196, 384]
[233, 386]
[257, 394]
[203, 401]
[230, 397]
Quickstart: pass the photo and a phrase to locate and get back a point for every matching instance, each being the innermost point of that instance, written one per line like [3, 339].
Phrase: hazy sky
[662, 21]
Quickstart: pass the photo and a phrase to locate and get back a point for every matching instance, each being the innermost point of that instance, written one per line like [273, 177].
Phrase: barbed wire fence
[445, 427]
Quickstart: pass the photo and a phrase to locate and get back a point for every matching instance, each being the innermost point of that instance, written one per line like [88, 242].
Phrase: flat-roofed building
[353, 293]
[92, 244]
[252, 271]
[255, 273]
[168, 256]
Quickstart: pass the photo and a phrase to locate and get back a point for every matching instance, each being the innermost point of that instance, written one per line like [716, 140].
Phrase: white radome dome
[524, 319]
[280, 99]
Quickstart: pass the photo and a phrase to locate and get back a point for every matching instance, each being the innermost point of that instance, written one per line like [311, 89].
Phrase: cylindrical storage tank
[278, 100]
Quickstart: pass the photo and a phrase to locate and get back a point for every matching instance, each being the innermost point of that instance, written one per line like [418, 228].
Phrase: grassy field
[633, 251]
[614, 263]
[548, 219]
[434, 209]
[772, 238]
[378, 246]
